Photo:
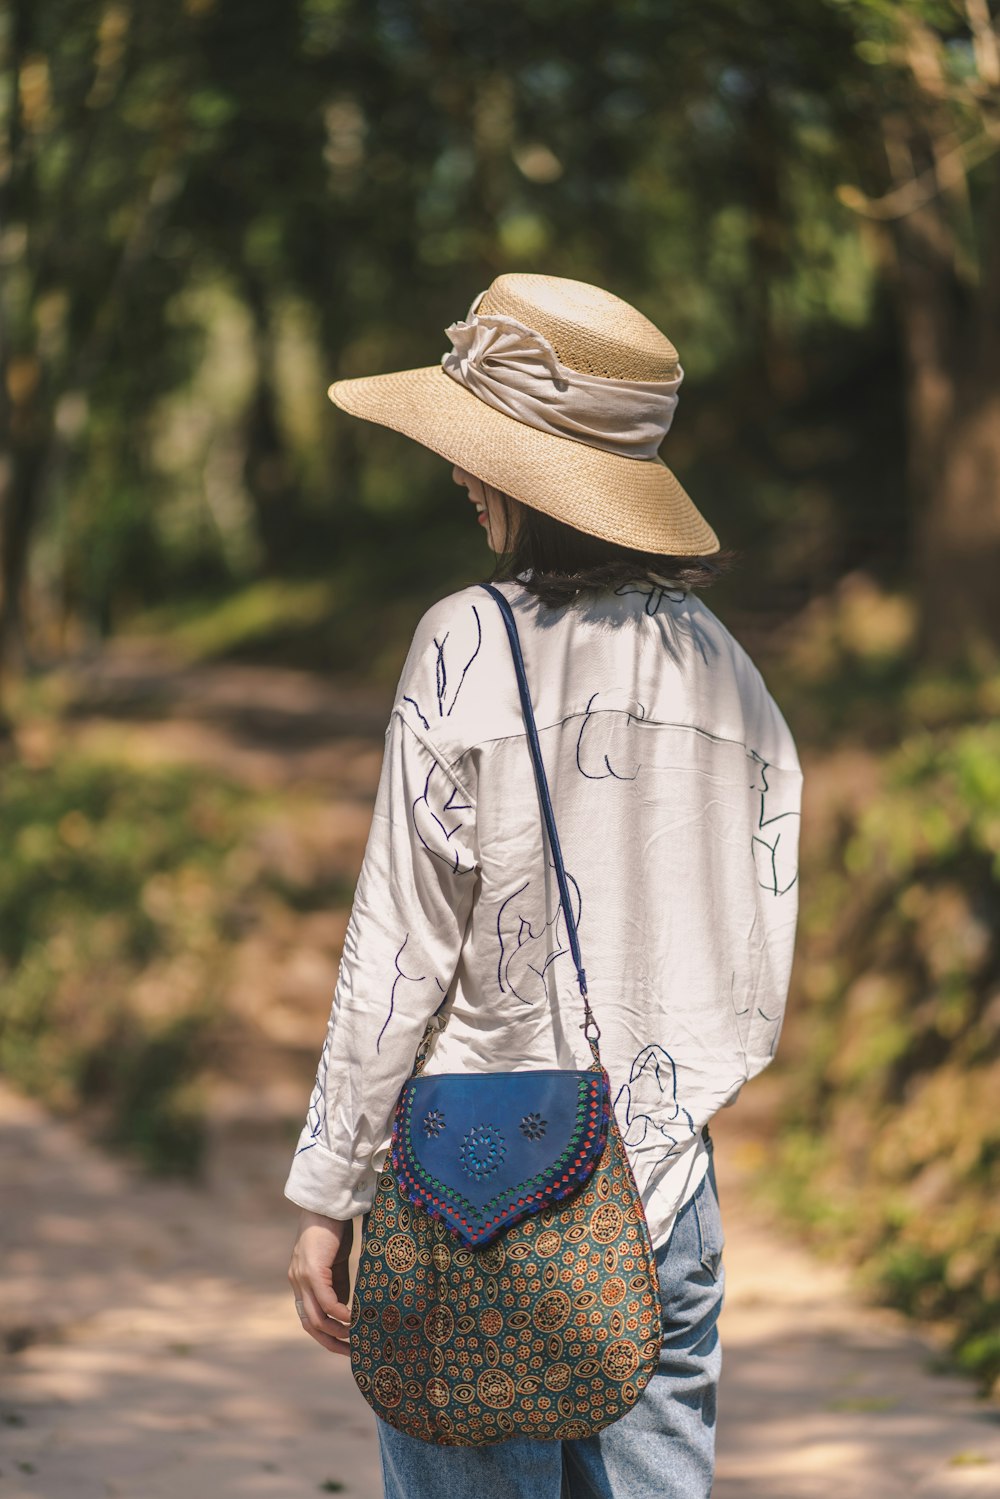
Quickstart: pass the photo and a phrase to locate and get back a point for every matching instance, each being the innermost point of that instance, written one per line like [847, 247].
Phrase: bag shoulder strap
[590, 1026]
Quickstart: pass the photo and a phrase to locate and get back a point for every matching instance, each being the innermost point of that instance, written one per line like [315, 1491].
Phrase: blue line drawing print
[655, 593]
[460, 649]
[647, 1099]
[423, 720]
[605, 730]
[674, 622]
[410, 979]
[776, 855]
[454, 653]
[774, 1020]
[441, 669]
[437, 820]
[523, 934]
[316, 1111]
[742, 1026]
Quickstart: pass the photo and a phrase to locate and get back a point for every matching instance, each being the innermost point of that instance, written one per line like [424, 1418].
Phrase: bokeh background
[209, 576]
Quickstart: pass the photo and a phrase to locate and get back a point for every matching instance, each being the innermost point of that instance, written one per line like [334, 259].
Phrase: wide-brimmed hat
[559, 394]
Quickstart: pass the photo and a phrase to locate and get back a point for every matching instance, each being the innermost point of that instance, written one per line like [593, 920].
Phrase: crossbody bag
[507, 1284]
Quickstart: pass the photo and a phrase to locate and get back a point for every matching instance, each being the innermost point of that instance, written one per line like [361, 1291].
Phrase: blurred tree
[378, 163]
[933, 185]
[92, 140]
[254, 199]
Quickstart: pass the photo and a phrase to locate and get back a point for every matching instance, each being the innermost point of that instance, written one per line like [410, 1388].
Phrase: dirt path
[152, 1348]
[158, 1353]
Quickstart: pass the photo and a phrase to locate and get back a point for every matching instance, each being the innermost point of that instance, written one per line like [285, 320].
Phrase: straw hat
[557, 393]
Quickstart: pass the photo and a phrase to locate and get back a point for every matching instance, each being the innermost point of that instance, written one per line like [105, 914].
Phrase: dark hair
[566, 563]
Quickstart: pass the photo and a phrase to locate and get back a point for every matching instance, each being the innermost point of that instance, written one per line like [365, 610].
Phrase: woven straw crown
[590, 329]
[637, 503]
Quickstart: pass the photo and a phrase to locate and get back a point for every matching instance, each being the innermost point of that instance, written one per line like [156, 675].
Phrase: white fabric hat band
[516, 370]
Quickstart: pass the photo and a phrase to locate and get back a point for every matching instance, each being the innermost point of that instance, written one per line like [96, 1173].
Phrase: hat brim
[638, 503]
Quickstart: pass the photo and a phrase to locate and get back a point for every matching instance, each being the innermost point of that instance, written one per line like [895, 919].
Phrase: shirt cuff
[327, 1184]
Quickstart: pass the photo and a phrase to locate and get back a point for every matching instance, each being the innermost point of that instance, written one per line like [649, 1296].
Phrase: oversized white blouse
[676, 788]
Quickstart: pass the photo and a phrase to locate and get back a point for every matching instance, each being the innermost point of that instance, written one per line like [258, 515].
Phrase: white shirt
[676, 788]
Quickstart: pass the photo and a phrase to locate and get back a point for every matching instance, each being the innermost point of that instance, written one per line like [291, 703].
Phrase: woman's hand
[320, 1278]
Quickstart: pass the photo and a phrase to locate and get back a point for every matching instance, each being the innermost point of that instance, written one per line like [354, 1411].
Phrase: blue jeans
[663, 1447]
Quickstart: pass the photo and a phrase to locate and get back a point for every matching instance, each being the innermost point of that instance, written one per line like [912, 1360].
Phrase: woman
[676, 787]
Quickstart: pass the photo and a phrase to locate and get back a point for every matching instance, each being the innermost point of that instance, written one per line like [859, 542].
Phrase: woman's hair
[566, 563]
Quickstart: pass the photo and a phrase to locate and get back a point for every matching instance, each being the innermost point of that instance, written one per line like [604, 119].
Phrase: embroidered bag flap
[482, 1151]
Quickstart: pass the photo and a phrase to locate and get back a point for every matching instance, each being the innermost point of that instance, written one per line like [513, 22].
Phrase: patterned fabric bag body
[507, 1285]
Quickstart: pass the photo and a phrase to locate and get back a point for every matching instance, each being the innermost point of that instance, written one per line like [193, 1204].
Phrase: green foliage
[890, 1147]
[212, 210]
[114, 944]
[849, 665]
[251, 620]
[230, 204]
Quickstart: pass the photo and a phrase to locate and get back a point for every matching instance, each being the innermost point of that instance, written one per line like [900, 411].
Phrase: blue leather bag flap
[481, 1151]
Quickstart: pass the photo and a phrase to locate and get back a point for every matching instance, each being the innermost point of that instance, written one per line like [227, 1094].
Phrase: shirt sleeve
[774, 812]
[775, 788]
[777, 802]
[401, 948]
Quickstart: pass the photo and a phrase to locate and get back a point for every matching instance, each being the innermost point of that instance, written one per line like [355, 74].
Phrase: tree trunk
[19, 494]
[951, 334]
[269, 470]
[958, 538]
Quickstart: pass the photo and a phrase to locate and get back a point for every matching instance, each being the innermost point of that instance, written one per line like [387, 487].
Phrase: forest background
[208, 211]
